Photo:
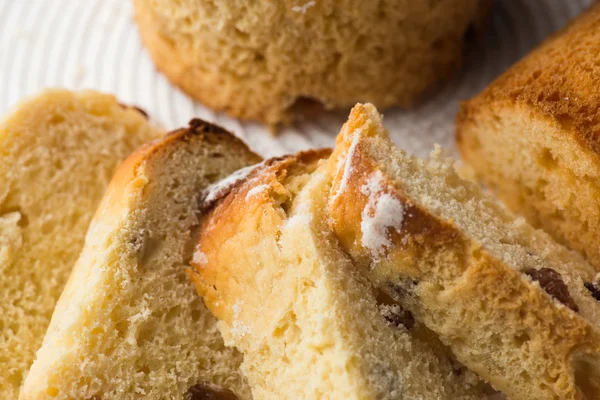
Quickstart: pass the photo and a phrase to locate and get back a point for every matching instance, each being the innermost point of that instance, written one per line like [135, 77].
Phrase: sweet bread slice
[533, 136]
[129, 324]
[309, 325]
[513, 306]
[58, 151]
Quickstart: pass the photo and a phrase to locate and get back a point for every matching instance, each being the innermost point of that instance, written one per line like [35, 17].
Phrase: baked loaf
[129, 324]
[255, 59]
[57, 153]
[533, 136]
[309, 325]
[514, 306]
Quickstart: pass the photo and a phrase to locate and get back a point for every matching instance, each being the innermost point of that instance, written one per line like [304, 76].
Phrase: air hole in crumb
[259, 57]
[196, 315]
[521, 339]
[97, 331]
[565, 121]
[537, 74]
[122, 328]
[546, 159]
[394, 313]
[173, 313]
[147, 332]
[217, 155]
[554, 96]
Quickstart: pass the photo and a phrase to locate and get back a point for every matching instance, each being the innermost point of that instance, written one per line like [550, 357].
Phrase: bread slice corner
[129, 323]
[58, 151]
[512, 304]
[309, 324]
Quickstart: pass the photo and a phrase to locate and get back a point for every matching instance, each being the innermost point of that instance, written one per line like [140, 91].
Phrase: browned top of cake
[561, 79]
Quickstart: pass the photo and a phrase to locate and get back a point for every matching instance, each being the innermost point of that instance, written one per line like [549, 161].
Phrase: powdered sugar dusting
[239, 329]
[220, 189]
[199, 258]
[347, 163]
[237, 308]
[256, 190]
[302, 9]
[381, 213]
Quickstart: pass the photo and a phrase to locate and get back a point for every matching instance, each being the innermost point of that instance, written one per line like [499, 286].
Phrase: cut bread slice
[533, 136]
[513, 305]
[58, 152]
[309, 325]
[129, 324]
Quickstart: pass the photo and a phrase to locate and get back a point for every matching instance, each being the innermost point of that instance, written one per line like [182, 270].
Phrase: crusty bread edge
[518, 86]
[580, 337]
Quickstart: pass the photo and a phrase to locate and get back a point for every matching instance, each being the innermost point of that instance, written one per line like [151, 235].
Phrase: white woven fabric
[94, 44]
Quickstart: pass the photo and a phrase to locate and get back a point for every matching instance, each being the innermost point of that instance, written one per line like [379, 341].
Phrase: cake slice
[514, 306]
[58, 151]
[129, 324]
[533, 136]
[309, 324]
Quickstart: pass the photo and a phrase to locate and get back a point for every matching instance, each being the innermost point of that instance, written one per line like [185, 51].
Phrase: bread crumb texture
[58, 152]
[533, 136]
[513, 305]
[129, 324]
[257, 59]
[309, 324]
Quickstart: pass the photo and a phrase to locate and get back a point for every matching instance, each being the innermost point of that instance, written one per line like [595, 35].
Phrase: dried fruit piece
[594, 288]
[552, 283]
[206, 391]
[397, 316]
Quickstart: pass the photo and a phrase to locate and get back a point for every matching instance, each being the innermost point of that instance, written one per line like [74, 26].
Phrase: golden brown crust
[259, 285]
[196, 83]
[439, 273]
[559, 80]
[154, 190]
[215, 284]
[533, 136]
[226, 57]
[117, 194]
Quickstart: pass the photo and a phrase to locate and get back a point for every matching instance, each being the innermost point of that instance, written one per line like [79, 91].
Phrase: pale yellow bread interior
[533, 136]
[129, 324]
[309, 325]
[513, 305]
[58, 152]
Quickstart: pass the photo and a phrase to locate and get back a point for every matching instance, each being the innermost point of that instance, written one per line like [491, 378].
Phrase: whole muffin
[255, 59]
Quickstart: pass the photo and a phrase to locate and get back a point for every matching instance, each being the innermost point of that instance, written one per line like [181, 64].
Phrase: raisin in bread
[255, 59]
[129, 324]
[533, 136]
[309, 325]
[58, 152]
[514, 306]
